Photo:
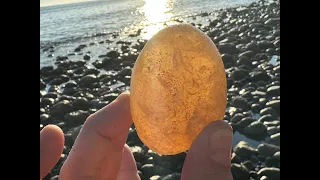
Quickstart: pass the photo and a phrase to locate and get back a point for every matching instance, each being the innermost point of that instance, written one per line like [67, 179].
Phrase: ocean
[65, 26]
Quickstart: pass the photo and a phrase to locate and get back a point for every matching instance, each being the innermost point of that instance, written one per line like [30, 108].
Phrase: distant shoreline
[65, 3]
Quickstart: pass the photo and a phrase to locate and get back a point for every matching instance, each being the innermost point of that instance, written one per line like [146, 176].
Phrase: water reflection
[156, 13]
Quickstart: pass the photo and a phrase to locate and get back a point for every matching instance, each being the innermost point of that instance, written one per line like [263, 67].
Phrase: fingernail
[220, 143]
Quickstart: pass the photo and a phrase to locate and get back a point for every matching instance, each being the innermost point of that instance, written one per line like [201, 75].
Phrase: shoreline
[88, 76]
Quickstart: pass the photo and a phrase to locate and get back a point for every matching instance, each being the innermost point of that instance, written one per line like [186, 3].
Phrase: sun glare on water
[156, 13]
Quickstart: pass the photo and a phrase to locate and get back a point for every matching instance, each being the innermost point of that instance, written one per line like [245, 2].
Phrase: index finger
[97, 151]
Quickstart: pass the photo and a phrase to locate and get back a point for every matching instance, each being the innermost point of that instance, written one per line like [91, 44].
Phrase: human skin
[100, 152]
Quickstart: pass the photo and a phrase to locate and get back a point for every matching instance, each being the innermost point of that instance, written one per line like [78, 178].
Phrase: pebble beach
[81, 78]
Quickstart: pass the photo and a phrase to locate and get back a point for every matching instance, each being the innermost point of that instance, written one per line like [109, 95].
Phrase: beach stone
[265, 118]
[174, 176]
[239, 172]
[52, 95]
[235, 159]
[110, 97]
[45, 119]
[243, 149]
[61, 108]
[87, 80]
[275, 104]
[56, 177]
[255, 128]
[46, 70]
[240, 102]
[138, 153]
[93, 71]
[42, 84]
[270, 111]
[267, 149]
[244, 122]
[274, 139]
[273, 91]
[228, 48]
[156, 177]
[237, 117]
[70, 84]
[272, 162]
[46, 102]
[148, 170]
[239, 74]
[277, 155]
[76, 118]
[249, 165]
[80, 104]
[87, 57]
[255, 108]
[259, 76]
[272, 130]
[271, 172]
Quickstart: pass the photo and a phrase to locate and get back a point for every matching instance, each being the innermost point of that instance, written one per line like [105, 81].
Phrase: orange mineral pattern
[178, 86]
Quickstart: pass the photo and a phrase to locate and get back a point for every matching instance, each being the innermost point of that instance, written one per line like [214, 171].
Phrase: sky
[56, 2]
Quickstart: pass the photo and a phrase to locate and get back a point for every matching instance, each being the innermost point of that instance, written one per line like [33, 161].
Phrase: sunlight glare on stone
[156, 13]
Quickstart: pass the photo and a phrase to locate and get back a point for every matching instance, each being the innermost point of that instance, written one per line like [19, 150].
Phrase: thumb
[209, 156]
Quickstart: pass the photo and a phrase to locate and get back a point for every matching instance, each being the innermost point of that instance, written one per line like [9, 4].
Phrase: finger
[128, 167]
[98, 149]
[209, 156]
[51, 147]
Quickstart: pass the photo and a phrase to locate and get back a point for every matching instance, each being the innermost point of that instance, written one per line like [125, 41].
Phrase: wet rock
[239, 74]
[266, 117]
[275, 104]
[255, 108]
[269, 111]
[259, 76]
[91, 71]
[70, 84]
[273, 91]
[148, 170]
[272, 123]
[87, 80]
[80, 104]
[52, 95]
[76, 118]
[272, 130]
[244, 122]
[45, 119]
[42, 84]
[113, 54]
[249, 165]
[243, 149]
[240, 102]
[277, 155]
[61, 108]
[270, 172]
[138, 153]
[239, 172]
[255, 128]
[237, 117]
[274, 139]
[267, 149]
[87, 57]
[174, 176]
[235, 158]
[110, 97]
[46, 102]
[228, 48]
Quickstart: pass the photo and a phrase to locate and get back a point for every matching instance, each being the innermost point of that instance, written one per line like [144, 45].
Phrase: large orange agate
[178, 86]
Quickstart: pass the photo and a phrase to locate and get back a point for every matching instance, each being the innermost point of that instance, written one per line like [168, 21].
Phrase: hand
[100, 152]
